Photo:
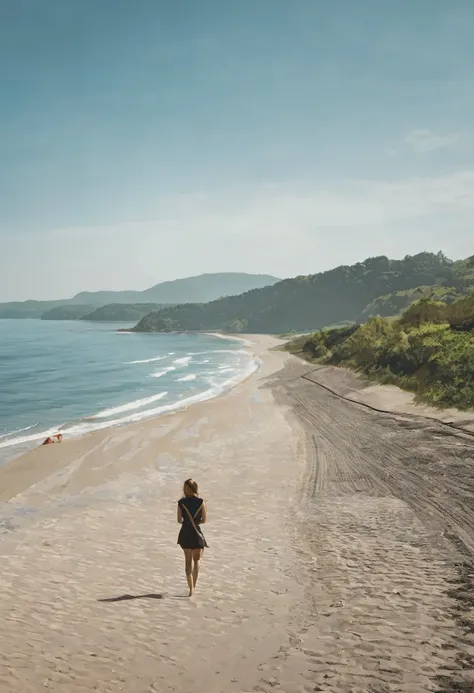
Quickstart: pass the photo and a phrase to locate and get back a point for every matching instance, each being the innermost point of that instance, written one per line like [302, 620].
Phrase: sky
[150, 140]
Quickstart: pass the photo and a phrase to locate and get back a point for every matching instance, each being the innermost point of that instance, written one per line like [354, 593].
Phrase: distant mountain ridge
[202, 288]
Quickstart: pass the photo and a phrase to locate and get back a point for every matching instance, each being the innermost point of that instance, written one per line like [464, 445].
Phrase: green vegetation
[189, 317]
[429, 350]
[461, 315]
[393, 304]
[67, 312]
[120, 312]
[343, 294]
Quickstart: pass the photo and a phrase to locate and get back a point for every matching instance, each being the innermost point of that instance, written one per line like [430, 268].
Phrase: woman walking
[192, 514]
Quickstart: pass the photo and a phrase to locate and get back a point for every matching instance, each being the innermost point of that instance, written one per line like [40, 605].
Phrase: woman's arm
[203, 514]
[180, 515]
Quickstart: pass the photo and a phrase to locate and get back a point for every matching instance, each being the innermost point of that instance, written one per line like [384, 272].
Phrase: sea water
[78, 377]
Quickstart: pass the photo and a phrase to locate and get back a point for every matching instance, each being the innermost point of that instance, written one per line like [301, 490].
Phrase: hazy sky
[151, 139]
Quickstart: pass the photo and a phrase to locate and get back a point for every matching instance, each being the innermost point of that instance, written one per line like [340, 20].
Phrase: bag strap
[192, 518]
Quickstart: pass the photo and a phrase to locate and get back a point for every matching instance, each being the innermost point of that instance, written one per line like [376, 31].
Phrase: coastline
[12, 449]
[36, 465]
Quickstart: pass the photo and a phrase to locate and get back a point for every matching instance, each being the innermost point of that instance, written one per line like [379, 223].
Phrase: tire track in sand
[385, 539]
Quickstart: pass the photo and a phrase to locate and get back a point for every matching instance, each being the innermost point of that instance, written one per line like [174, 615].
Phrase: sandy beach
[340, 549]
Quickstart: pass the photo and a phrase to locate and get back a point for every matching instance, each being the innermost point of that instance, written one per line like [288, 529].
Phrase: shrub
[429, 350]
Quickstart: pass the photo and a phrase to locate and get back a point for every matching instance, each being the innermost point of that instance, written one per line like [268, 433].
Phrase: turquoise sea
[77, 377]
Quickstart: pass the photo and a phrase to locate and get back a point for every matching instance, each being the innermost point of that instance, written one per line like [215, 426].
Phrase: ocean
[77, 377]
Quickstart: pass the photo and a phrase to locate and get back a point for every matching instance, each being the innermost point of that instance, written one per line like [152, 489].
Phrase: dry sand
[340, 551]
[351, 386]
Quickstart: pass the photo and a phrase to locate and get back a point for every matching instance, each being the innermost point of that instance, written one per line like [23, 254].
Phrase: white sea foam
[19, 430]
[186, 378]
[29, 439]
[162, 372]
[223, 351]
[215, 390]
[183, 361]
[155, 358]
[130, 406]
[230, 338]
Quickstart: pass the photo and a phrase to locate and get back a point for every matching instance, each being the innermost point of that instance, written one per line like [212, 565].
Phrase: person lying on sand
[192, 513]
[55, 439]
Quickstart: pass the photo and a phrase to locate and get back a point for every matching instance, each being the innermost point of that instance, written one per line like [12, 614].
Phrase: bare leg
[197, 555]
[188, 557]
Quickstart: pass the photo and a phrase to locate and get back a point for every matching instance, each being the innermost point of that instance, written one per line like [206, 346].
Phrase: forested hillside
[310, 302]
[67, 312]
[120, 312]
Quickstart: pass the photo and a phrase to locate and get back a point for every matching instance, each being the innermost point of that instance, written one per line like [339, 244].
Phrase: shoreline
[334, 543]
[93, 582]
[144, 415]
[18, 474]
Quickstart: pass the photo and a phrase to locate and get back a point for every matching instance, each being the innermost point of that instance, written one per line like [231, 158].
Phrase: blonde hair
[190, 488]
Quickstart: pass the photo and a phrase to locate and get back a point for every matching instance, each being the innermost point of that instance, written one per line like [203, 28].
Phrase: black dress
[189, 537]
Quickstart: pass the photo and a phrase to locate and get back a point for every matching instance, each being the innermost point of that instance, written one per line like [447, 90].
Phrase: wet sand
[340, 548]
